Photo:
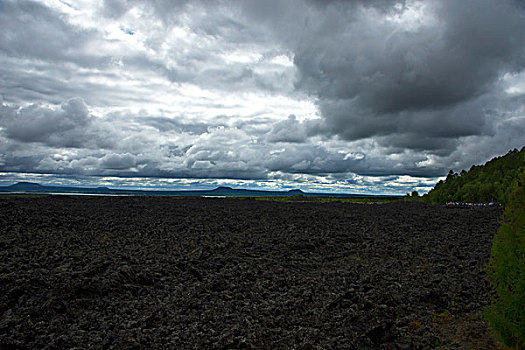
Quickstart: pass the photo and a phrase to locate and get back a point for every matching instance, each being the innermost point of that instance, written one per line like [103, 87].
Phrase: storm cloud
[370, 96]
[417, 68]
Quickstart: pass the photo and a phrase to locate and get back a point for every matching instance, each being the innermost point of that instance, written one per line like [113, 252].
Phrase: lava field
[203, 273]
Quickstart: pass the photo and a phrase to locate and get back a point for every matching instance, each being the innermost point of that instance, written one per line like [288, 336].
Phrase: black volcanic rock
[153, 272]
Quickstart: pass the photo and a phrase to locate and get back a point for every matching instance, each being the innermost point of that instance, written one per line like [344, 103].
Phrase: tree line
[492, 182]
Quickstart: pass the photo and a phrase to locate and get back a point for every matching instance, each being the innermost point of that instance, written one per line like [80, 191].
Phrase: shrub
[506, 270]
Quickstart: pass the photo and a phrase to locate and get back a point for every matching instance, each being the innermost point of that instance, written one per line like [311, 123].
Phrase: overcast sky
[348, 96]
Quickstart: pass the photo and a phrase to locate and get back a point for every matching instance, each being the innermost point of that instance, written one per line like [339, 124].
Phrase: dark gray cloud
[118, 161]
[164, 124]
[33, 31]
[296, 158]
[292, 130]
[69, 126]
[389, 68]
[39, 124]
[422, 69]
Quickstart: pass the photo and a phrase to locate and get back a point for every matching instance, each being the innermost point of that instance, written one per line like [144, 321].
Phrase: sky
[375, 97]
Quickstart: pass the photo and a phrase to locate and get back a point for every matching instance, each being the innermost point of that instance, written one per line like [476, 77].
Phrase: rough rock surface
[130, 273]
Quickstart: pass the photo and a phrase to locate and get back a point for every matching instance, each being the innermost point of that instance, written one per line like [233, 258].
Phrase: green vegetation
[506, 270]
[491, 182]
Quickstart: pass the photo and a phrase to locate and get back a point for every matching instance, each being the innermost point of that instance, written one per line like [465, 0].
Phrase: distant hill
[222, 191]
[492, 182]
[25, 186]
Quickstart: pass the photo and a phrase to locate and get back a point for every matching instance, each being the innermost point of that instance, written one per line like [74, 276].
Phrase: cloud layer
[352, 96]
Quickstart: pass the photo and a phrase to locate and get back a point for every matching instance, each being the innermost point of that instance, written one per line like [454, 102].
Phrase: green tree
[491, 182]
[506, 270]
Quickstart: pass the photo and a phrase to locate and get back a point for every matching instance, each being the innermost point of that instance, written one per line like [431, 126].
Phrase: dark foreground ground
[126, 272]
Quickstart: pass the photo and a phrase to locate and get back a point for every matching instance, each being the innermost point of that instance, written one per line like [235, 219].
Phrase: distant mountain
[222, 191]
[26, 186]
[492, 182]
[32, 187]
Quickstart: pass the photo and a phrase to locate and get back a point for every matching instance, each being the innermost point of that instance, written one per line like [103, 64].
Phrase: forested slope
[492, 182]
